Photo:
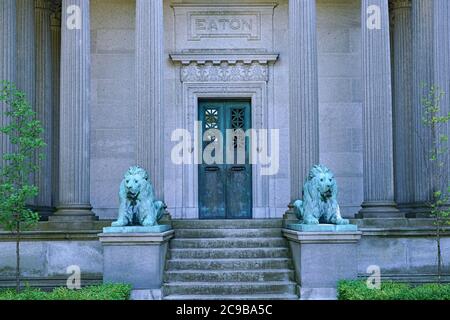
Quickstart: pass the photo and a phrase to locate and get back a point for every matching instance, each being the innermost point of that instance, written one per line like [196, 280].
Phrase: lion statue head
[137, 201]
[319, 204]
[321, 180]
[135, 181]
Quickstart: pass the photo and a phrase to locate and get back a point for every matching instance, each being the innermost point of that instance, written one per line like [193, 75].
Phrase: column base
[44, 212]
[73, 213]
[406, 208]
[419, 210]
[379, 210]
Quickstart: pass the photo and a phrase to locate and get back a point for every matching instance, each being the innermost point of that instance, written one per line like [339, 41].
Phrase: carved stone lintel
[224, 72]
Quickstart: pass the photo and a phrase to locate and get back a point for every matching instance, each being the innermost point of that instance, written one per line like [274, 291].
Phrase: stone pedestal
[135, 255]
[321, 259]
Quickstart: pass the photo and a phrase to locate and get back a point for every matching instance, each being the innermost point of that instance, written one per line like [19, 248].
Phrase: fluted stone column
[43, 177]
[26, 49]
[56, 71]
[402, 102]
[377, 116]
[303, 101]
[74, 191]
[441, 50]
[431, 66]
[8, 61]
[423, 73]
[149, 93]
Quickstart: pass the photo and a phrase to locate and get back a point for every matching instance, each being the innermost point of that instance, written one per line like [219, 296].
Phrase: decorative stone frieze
[224, 72]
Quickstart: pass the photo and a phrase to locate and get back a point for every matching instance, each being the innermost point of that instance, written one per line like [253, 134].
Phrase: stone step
[227, 242]
[229, 288]
[229, 259]
[229, 276]
[283, 296]
[227, 224]
[224, 253]
[228, 233]
[228, 264]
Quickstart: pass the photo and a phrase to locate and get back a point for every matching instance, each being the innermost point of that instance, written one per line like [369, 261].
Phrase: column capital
[55, 5]
[43, 4]
[400, 4]
[56, 10]
[55, 19]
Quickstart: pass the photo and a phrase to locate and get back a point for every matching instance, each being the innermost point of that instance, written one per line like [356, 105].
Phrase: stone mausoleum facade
[341, 81]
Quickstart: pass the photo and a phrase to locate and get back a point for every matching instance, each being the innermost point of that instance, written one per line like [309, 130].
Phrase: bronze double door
[225, 189]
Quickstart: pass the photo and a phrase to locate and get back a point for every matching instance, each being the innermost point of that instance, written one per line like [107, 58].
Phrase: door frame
[260, 95]
[248, 108]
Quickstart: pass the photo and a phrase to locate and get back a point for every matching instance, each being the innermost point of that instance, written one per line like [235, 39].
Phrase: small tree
[18, 165]
[435, 120]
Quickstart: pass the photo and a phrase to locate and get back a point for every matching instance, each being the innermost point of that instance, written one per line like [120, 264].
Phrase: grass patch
[100, 292]
[358, 290]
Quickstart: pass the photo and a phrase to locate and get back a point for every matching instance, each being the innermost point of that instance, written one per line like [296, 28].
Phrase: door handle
[212, 169]
[237, 169]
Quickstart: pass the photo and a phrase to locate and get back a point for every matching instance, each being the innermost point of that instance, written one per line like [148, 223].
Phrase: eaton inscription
[224, 25]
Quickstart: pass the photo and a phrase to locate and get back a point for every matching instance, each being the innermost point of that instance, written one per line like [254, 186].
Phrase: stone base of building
[317, 293]
[135, 258]
[321, 259]
[404, 249]
[151, 294]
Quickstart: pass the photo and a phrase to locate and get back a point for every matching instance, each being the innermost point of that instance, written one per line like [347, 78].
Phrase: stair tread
[228, 283]
[226, 224]
[280, 296]
[227, 260]
[230, 271]
[229, 228]
[237, 238]
[230, 259]
[229, 249]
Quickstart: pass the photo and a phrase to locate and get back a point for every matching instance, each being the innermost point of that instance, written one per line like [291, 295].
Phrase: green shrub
[100, 292]
[358, 290]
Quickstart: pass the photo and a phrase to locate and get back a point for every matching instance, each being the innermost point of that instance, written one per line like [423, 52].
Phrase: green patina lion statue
[137, 201]
[319, 203]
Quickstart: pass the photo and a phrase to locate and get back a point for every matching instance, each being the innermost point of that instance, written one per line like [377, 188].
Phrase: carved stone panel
[224, 25]
[224, 72]
[208, 25]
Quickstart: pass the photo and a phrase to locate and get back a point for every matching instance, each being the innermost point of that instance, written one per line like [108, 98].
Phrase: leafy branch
[435, 119]
[23, 131]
